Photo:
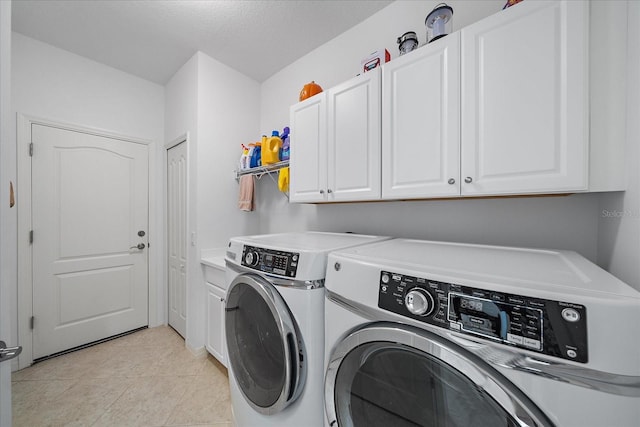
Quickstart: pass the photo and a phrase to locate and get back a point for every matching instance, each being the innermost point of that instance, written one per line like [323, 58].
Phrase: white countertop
[213, 257]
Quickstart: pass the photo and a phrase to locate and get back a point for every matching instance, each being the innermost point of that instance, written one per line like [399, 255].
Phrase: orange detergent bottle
[271, 149]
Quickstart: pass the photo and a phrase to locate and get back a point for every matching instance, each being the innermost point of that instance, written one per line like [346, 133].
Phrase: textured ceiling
[154, 38]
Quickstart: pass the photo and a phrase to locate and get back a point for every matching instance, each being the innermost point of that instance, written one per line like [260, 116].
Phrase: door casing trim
[24, 211]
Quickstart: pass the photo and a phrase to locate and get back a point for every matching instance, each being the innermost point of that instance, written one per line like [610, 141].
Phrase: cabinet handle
[451, 181]
[468, 180]
[329, 191]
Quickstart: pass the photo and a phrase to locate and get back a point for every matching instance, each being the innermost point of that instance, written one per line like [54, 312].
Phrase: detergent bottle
[284, 151]
[256, 155]
[271, 149]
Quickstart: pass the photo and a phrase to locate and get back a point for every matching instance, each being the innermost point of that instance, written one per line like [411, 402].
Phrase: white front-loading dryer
[444, 334]
[274, 325]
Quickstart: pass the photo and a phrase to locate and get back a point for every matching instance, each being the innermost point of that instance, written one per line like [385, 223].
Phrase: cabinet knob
[451, 181]
[321, 191]
[468, 180]
[329, 191]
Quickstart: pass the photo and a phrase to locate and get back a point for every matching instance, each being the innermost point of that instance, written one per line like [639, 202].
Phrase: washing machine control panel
[554, 328]
[270, 261]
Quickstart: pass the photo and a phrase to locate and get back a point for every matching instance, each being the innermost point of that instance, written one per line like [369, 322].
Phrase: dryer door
[390, 374]
[266, 352]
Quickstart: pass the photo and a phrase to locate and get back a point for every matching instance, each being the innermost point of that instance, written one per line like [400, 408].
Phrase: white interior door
[90, 219]
[177, 232]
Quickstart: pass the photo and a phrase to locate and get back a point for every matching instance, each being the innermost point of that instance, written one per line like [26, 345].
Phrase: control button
[252, 258]
[535, 303]
[572, 354]
[532, 343]
[294, 258]
[514, 300]
[454, 325]
[384, 288]
[419, 302]
[498, 297]
[516, 339]
[570, 315]
[479, 294]
[385, 278]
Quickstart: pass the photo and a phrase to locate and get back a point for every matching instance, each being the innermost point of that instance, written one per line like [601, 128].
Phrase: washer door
[396, 375]
[265, 349]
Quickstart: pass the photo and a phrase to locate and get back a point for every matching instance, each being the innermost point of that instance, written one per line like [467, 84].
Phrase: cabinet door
[524, 100]
[308, 158]
[216, 344]
[353, 139]
[421, 122]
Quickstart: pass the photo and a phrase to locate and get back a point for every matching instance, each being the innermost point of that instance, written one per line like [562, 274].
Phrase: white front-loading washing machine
[274, 325]
[444, 334]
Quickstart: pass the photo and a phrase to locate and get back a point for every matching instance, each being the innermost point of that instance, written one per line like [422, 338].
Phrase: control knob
[252, 258]
[419, 302]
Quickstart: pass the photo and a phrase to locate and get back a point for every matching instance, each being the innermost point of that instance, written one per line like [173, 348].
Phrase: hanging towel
[245, 199]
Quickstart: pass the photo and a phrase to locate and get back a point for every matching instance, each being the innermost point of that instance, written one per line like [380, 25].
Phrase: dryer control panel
[270, 261]
[554, 328]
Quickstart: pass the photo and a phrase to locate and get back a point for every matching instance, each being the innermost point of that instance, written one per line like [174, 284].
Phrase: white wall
[550, 222]
[219, 108]
[619, 213]
[54, 84]
[228, 115]
[181, 117]
[8, 218]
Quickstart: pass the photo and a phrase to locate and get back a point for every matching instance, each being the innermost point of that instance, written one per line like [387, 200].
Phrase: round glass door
[265, 351]
[388, 376]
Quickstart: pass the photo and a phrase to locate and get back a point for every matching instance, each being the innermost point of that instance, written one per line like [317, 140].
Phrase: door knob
[468, 180]
[8, 353]
[139, 246]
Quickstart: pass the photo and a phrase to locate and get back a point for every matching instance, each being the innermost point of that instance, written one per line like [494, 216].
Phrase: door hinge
[32, 322]
[31, 236]
[31, 149]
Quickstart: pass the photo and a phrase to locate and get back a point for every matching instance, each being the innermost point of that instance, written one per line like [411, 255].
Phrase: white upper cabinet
[525, 100]
[353, 139]
[335, 143]
[530, 100]
[421, 122]
[308, 157]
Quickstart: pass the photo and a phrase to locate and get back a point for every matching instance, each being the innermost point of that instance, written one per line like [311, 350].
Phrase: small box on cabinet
[375, 59]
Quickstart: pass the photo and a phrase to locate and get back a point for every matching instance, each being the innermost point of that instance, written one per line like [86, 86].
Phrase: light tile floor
[148, 378]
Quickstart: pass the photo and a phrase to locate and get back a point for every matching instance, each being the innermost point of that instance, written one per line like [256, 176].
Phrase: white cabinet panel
[524, 100]
[216, 342]
[421, 122]
[353, 145]
[308, 171]
[335, 143]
